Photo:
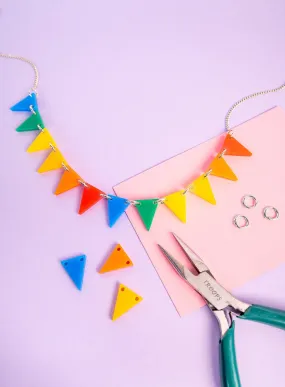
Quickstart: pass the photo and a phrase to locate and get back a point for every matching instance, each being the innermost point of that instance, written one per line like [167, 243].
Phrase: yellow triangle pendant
[52, 162]
[176, 202]
[202, 188]
[126, 299]
[42, 142]
[220, 168]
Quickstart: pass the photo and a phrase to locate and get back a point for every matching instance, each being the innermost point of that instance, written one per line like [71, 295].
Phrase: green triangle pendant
[31, 123]
[147, 209]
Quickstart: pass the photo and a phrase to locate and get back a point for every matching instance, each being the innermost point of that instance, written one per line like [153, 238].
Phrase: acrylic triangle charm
[126, 300]
[34, 122]
[202, 188]
[176, 202]
[90, 196]
[234, 148]
[147, 209]
[220, 168]
[52, 162]
[75, 267]
[25, 104]
[69, 179]
[116, 207]
[118, 259]
[42, 142]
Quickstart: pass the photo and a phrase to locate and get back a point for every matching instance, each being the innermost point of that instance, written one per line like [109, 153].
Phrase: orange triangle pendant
[234, 148]
[117, 260]
[69, 179]
[220, 168]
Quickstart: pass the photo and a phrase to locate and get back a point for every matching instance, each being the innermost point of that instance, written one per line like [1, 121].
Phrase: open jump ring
[241, 221]
[249, 201]
[270, 213]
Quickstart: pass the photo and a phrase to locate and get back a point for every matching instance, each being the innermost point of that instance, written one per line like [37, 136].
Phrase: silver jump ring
[32, 109]
[271, 209]
[133, 202]
[241, 221]
[208, 173]
[106, 196]
[159, 201]
[249, 201]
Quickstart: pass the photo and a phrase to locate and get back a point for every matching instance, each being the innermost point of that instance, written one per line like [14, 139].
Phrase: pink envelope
[234, 255]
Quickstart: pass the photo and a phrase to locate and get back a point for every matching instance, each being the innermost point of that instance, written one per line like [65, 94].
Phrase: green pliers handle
[228, 363]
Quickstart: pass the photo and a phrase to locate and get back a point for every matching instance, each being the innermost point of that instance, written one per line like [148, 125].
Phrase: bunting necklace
[116, 206]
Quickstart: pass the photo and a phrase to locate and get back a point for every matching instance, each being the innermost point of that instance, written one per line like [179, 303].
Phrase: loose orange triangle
[126, 299]
[117, 260]
[90, 196]
[235, 148]
[69, 179]
[220, 168]
[52, 162]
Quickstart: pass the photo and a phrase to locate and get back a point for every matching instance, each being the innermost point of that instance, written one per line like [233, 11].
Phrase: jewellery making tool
[223, 305]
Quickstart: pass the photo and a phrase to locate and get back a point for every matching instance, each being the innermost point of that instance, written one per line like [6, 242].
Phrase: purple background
[123, 85]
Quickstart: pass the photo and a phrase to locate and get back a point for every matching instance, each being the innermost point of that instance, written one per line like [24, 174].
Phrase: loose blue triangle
[24, 104]
[75, 267]
[116, 207]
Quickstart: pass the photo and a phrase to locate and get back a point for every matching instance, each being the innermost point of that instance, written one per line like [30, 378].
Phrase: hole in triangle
[119, 249]
[81, 259]
[122, 289]
[136, 298]
[128, 262]
[65, 263]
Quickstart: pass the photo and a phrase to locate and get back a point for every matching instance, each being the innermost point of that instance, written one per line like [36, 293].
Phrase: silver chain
[236, 104]
[228, 115]
[22, 59]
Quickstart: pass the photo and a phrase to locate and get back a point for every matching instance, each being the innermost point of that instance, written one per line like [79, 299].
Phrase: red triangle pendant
[90, 196]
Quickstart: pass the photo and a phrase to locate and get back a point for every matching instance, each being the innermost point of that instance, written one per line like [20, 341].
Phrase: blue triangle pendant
[116, 207]
[24, 104]
[75, 267]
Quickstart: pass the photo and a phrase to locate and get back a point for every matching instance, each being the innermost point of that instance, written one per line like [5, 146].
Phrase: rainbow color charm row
[116, 206]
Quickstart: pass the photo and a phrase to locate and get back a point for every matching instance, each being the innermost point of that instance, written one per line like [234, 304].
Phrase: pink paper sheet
[234, 255]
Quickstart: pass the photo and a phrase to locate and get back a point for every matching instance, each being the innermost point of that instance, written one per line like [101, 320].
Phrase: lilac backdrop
[123, 85]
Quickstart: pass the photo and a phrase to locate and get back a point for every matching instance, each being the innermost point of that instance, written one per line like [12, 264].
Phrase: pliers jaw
[221, 302]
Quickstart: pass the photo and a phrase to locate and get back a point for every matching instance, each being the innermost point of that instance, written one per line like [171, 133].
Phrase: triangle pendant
[117, 260]
[176, 202]
[202, 188]
[90, 196]
[147, 209]
[69, 179]
[234, 148]
[220, 168]
[34, 122]
[116, 207]
[52, 162]
[26, 104]
[75, 268]
[126, 300]
[43, 141]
